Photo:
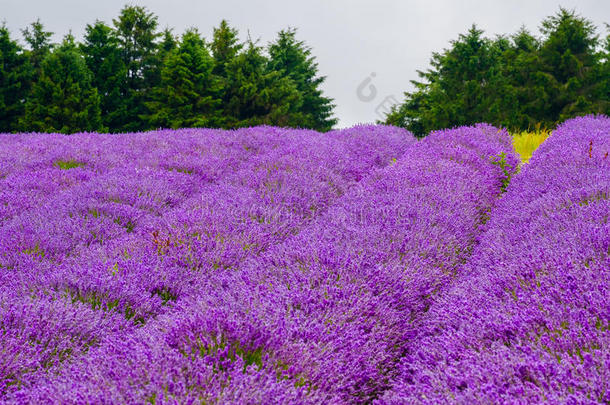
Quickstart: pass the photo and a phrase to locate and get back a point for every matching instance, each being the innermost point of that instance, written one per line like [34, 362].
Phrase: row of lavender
[528, 320]
[323, 316]
[332, 308]
[98, 234]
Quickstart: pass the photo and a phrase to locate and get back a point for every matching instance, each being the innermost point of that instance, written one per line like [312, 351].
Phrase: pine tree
[601, 90]
[570, 59]
[167, 44]
[39, 41]
[456, 90]
[63, 99]
[15, 76]
[519, 82]
[136, 29]
[256, 95]
[103, 58]
[225, 47]
[168, 41]
[188, 93]
[520, 68]
[39, 44]
[293, 59]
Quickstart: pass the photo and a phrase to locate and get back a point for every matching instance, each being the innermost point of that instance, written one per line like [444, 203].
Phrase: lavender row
[117, 202]
[320, 317]
[330, 305]
[101, 247]
[36, 167]
[529, 319]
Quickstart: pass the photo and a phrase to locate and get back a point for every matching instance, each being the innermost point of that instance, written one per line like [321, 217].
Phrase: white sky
[351, 39]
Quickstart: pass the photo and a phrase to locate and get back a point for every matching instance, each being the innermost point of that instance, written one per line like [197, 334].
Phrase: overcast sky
[384, 41]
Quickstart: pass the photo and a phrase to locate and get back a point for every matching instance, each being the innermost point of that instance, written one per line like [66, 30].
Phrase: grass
[500, 160]
[68, 164]
[525, 143]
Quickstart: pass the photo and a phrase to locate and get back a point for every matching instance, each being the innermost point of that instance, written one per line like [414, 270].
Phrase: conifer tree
[136, 30]
[456, 88]
[570, 59]
[225, 47]
[188, 93]
[166, 45]
[103, 58]
[256, 95]
[39, 42]
[63, 99]
[520, 69]
[168, 41]
[15, 76]
[601, 90]
[519, 82]
[293, 59]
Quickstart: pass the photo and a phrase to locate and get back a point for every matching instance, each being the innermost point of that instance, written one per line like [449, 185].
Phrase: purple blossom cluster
[298, 274]
[100, 235]
[527, 319]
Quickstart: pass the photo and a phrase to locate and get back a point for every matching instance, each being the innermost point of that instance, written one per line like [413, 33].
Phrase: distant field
[526, 143]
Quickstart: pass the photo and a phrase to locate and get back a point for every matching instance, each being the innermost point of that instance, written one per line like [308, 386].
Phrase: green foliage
[187, 95]
[570, 60]
[221, 348]
[292, 58]
[63, 99]
[39, 41]
[136, 30]
[129, 225]
[167, 44]
[253, 90]
[165, 294]
[500, 161]
[102, 302]
[131, 77]
[517, 81]
[15, 76]
[103, 57]
[36, 251]
[225, 46]
[255, 95]
[67, 164]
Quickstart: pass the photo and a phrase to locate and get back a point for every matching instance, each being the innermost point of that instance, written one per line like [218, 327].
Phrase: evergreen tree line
[130, 76]
[518, 81]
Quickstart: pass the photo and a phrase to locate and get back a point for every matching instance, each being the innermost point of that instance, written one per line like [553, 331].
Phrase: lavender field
[267, 265]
